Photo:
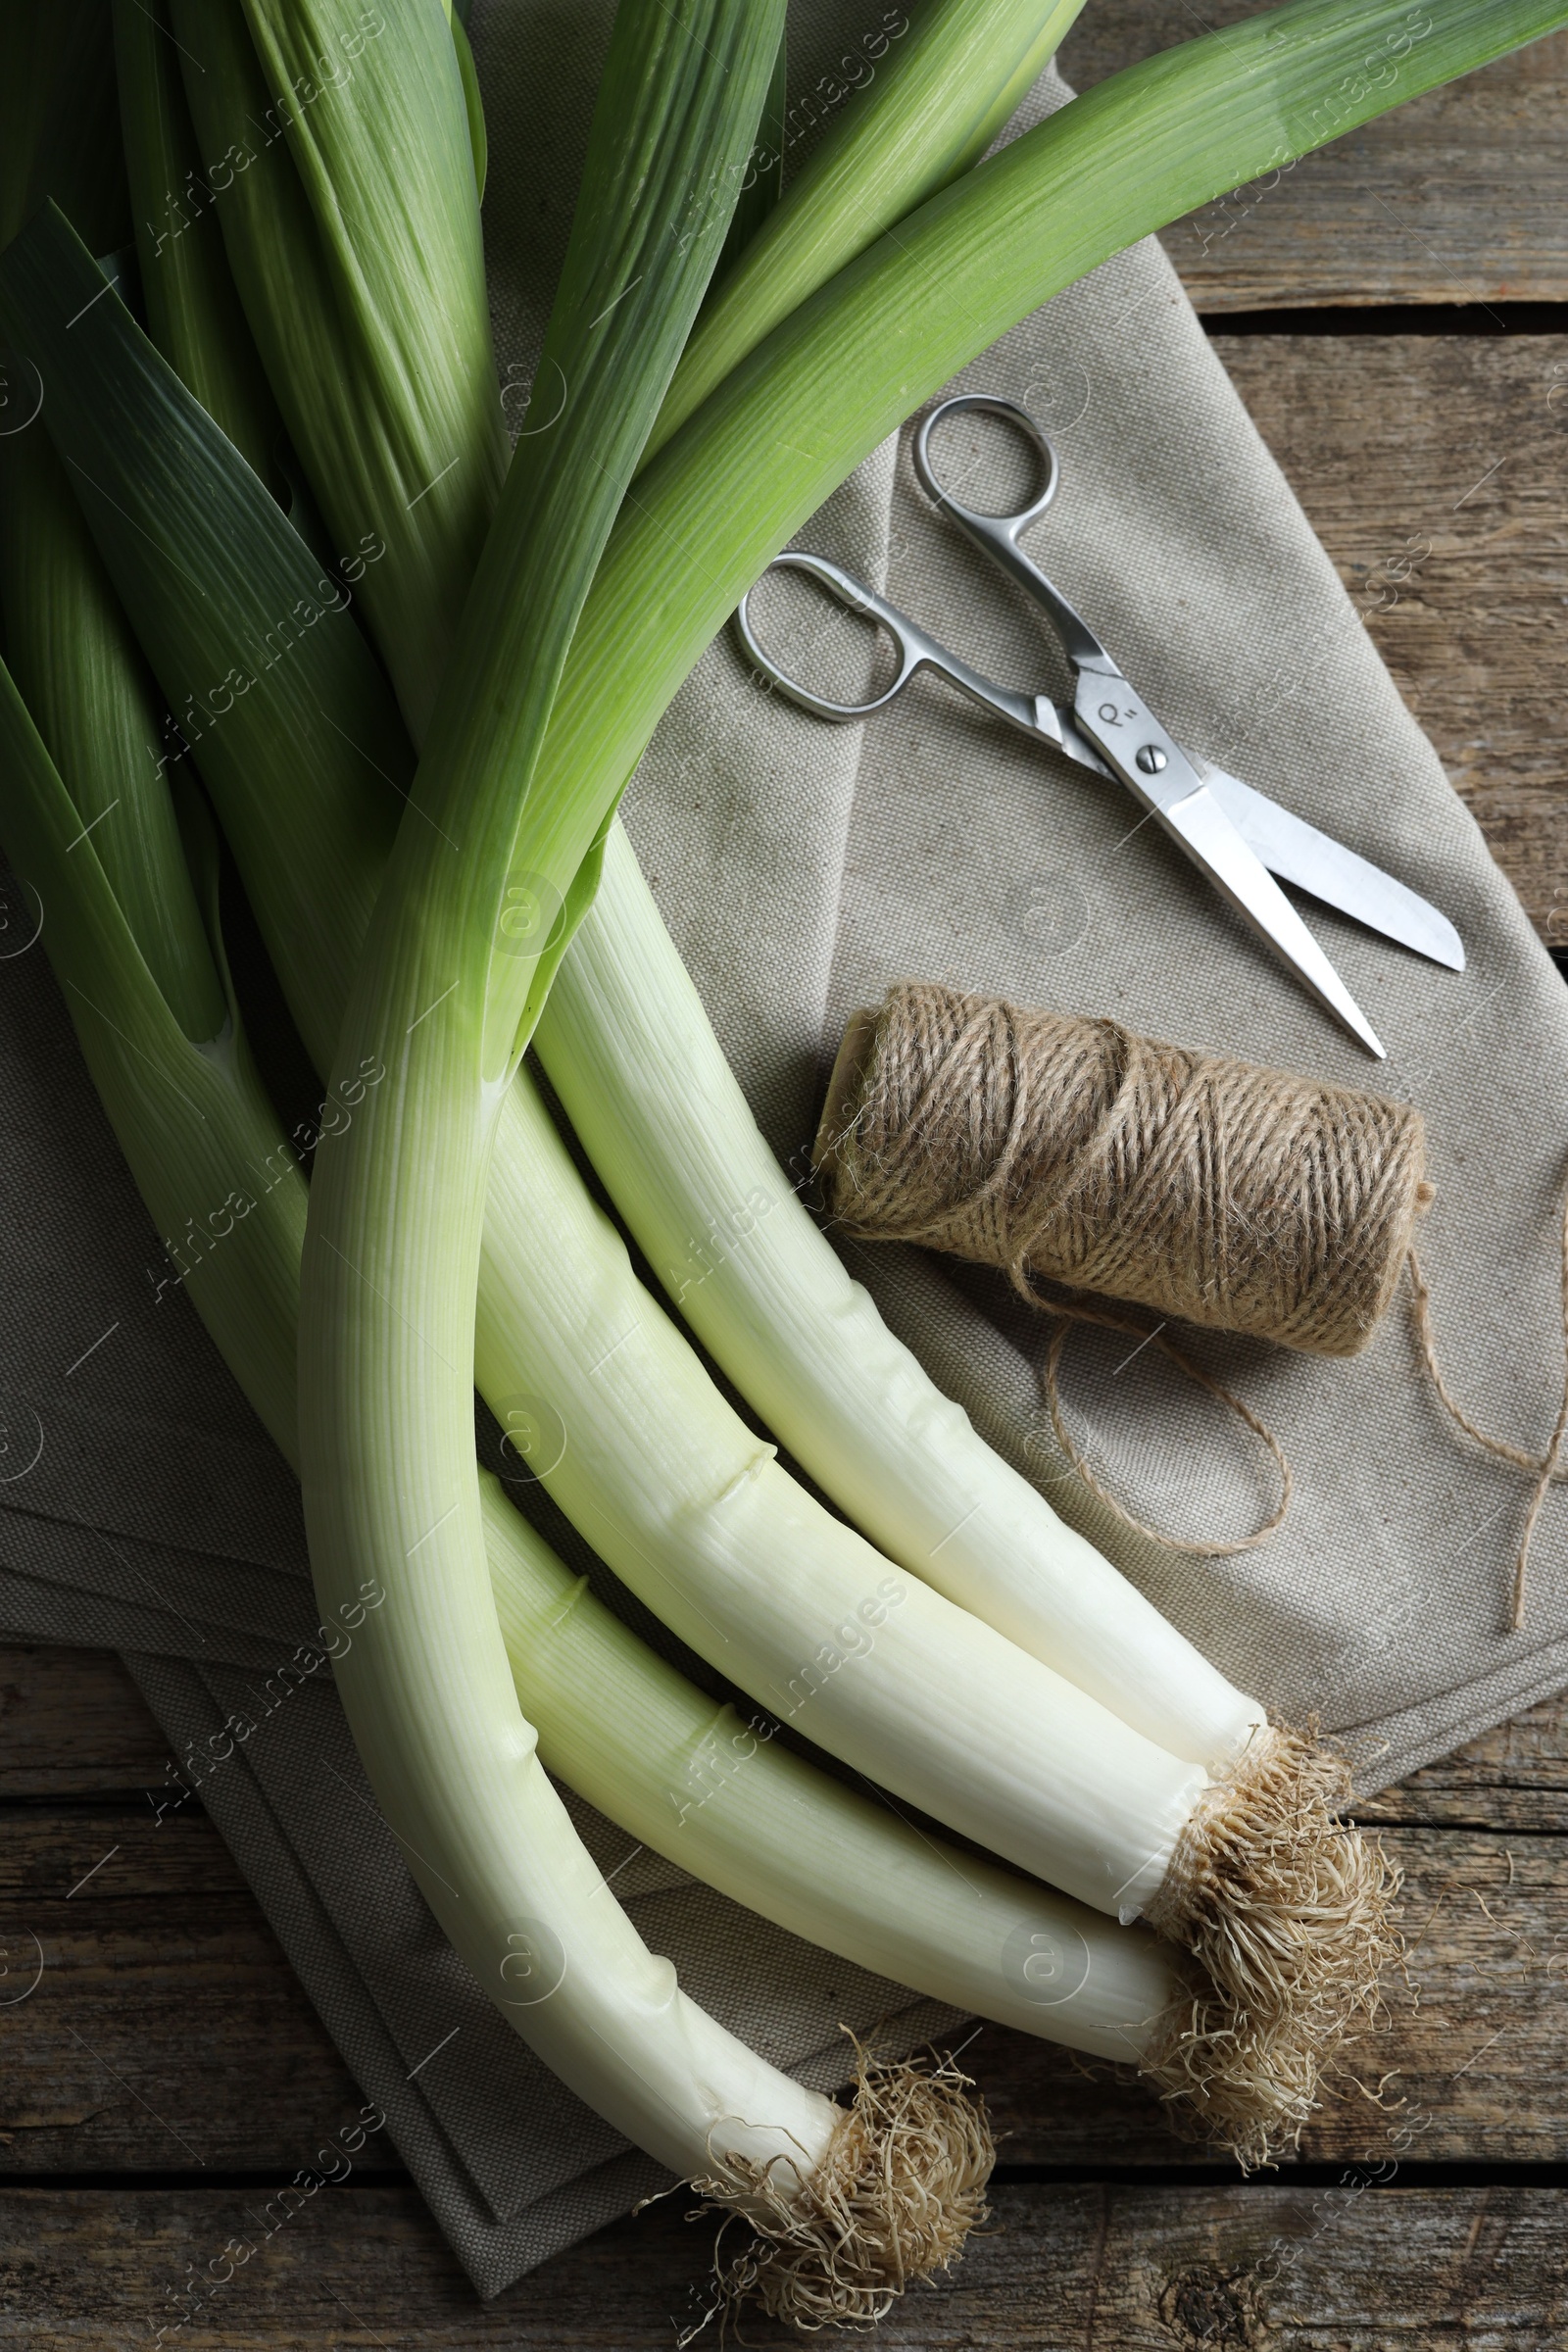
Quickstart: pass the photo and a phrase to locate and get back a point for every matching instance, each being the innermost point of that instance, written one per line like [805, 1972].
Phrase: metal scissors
[1235, 836]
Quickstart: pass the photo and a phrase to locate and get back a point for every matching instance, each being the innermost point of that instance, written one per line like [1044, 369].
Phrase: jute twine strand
[1071, 1152]
[1070, 1311]
[1544, 1468]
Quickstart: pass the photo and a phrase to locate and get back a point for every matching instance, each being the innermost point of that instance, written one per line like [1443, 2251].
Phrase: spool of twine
[1071, 1152]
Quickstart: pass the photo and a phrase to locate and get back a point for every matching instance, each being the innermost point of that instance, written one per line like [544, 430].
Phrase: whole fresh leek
[692, 2087]
[768, 446]
[654, 1467]
[465, 929]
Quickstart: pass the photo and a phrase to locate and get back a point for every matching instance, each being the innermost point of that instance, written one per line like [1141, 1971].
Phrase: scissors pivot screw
[1150, 759]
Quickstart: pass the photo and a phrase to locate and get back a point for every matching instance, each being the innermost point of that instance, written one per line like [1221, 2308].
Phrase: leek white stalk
[726, 1800]
[693, 1512]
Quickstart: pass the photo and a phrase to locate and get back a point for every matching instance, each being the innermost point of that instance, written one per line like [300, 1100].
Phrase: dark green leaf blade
[193, 312]
[257, 651]
[87, 688]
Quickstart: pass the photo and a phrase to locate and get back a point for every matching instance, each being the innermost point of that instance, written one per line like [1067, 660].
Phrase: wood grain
[165, 2031]
[71, 1722]
[1514, 1778]
[164, 2036]
[1456, 2070]
[148, 2020]
[1348, 2267]
[1435, 469]
[1459, 196]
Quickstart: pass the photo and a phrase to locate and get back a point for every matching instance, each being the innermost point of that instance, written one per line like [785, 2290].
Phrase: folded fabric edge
[492, 2253]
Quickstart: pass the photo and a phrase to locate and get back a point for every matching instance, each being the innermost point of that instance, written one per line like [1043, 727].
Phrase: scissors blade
[1314, 861]
[1293, 851]
[1212, 841]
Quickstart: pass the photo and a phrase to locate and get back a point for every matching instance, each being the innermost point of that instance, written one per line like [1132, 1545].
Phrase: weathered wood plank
[1434, 469]
[1454, 197]
[1468, 2056]
[152, 2022]
[148, 2020]
[1351, 2268]
[1514, 1778]
[73, 1720]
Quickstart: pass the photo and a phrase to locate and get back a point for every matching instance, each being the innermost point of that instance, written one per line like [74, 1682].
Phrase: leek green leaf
[479, 140]
[193, 312]
[762, 181]
[307, 119]
[89, 688]
[858, 356]
[254, 645]
[58, 119]
[924, 105]
[203, 1143]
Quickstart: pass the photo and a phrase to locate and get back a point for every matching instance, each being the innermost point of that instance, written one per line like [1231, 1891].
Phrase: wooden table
[167, 2075]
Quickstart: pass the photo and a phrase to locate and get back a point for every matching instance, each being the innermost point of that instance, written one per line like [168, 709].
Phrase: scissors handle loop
[916, 651]
[992, 528]
[998, 535]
